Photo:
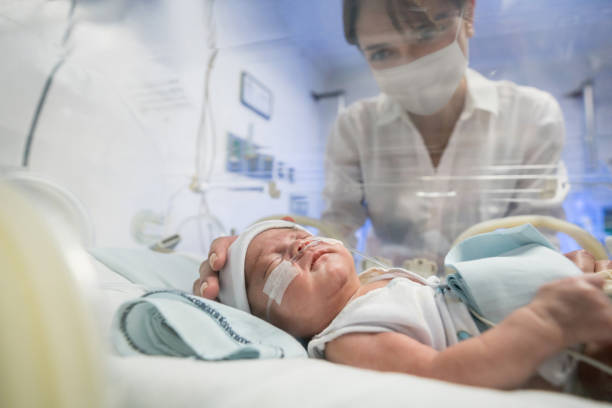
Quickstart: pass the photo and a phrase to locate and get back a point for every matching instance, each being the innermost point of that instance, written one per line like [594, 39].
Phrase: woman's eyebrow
[373, 47]
[442, 15]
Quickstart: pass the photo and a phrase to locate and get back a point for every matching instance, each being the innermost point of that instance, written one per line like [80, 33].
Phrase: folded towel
[498, 272]
[173, 323]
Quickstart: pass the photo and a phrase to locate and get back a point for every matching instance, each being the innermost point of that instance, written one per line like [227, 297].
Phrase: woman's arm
[542, 145]
[343, 192]
[563, 313]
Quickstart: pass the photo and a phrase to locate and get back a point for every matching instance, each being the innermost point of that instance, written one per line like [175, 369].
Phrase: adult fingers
[218, 252]
[210, 288]
[583, 260]
[207, 288]
[207, 285]
[196, 287]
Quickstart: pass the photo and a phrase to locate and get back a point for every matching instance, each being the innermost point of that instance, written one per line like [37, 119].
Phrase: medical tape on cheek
[277, 283]
[280, 278]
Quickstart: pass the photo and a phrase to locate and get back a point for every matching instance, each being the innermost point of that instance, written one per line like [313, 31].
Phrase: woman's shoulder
[515, 98]
[363, 110]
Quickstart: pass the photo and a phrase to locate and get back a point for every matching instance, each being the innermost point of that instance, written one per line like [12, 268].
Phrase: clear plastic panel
[401, 123]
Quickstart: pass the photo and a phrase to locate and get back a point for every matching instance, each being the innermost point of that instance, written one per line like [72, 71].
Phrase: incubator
[398, 128]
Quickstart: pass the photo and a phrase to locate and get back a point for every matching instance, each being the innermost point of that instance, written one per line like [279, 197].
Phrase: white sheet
[164, 381]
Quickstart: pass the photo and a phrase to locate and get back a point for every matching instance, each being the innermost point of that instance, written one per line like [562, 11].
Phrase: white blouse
[502, 153]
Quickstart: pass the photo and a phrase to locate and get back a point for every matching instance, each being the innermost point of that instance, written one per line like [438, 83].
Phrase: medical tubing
[206, 108]
[367, 258]
[25, 161]
[578, 356]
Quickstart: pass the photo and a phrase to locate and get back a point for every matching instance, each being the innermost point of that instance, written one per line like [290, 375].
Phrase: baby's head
[280, 272]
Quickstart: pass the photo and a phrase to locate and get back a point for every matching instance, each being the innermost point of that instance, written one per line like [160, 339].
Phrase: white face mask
[426, 85]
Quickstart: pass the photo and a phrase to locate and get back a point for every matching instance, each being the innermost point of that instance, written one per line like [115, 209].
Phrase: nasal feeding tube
[281, 276]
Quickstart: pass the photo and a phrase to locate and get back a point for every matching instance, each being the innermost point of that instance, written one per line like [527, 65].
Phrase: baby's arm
[563, 313]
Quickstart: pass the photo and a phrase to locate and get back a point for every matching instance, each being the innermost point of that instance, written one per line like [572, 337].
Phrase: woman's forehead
[375, 23]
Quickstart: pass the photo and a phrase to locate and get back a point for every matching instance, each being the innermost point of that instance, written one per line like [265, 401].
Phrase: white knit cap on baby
[232, 286]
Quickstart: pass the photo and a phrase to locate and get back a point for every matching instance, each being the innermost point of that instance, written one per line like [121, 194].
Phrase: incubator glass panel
[394, 125]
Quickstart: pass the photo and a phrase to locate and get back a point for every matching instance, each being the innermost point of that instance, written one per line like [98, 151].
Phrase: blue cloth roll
[173, 323]
[501, 271]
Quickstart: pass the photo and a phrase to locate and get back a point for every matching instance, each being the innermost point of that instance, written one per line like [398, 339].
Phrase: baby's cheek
[257, 302]
[334, 278]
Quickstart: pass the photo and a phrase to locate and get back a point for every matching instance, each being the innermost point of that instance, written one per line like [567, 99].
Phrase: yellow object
[582, 237]
[49, 352]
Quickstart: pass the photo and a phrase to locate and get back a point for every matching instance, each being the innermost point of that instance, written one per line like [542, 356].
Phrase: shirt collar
[482, 95]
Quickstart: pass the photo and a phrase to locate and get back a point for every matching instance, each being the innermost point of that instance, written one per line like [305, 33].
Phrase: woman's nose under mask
[426, 85]
[281, 276]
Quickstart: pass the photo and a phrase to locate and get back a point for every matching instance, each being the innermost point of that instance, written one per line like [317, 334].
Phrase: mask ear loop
[460, 23]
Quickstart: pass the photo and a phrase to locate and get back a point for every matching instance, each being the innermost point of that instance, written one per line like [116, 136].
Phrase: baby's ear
[287, 218]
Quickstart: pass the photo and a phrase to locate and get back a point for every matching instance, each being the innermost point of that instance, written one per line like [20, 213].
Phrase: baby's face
[325, 281]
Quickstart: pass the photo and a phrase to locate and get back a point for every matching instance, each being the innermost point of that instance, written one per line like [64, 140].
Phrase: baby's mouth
[318, 254]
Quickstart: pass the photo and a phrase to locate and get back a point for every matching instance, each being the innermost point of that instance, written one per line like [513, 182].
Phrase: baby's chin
[305, 328]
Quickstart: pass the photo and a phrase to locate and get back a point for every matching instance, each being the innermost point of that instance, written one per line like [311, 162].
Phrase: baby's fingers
[583, 260]
[594, 279]
[603, 265]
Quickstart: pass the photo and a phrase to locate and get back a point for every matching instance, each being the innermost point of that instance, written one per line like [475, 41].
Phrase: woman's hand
[575, 310]
[207, 285]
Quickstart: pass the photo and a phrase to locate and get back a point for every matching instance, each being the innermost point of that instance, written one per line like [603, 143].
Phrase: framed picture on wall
[255, 95]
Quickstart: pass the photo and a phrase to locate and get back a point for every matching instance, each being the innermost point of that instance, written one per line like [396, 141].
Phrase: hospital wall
[119, 127]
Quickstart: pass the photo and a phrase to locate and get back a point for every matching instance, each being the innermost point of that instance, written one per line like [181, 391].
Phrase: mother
[441, 148]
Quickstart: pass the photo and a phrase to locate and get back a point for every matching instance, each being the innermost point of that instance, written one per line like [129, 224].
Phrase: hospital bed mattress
[147, 381]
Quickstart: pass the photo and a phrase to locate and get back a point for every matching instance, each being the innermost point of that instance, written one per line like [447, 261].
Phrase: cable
[202, 136]
[45, 92]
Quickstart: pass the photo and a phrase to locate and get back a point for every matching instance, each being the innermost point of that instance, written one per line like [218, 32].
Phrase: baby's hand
[576, 309]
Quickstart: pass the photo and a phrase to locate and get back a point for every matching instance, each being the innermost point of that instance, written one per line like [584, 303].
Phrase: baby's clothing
[439, 315]
[429, 315]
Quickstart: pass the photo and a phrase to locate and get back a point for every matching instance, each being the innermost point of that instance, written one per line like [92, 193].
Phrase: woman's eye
[381, 55]
[427, 34]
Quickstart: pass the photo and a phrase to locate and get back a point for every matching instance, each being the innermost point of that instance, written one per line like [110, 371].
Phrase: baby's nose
[303, 244]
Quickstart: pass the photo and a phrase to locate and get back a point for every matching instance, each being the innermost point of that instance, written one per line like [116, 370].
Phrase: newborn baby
[397, 321]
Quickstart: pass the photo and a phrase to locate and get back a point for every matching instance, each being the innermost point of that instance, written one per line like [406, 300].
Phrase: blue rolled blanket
[174, 323]
[498, 272]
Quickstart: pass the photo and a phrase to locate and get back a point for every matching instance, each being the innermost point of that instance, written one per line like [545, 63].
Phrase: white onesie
[428, 314]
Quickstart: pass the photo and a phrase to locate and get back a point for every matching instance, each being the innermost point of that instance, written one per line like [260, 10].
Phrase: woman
[431, 155]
